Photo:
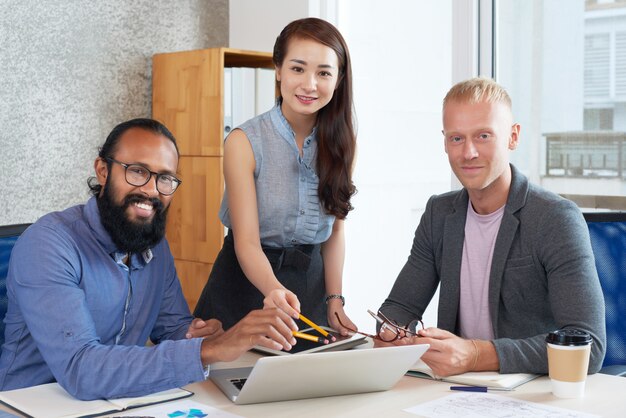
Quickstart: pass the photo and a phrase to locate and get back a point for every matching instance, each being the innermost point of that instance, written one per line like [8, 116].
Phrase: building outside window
[564, 64]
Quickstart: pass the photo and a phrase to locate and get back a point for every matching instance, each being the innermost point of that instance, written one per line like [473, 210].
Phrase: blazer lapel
[453, 238]
[506, 234]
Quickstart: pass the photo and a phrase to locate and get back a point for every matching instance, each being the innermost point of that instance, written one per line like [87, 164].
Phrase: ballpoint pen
[316, 327]
[469, 388]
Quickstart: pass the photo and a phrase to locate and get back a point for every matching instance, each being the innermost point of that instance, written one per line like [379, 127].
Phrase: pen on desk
[469, 388]
[309, 337]
[316, 327]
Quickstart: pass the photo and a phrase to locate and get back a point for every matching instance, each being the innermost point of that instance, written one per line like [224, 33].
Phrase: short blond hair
[475, 90]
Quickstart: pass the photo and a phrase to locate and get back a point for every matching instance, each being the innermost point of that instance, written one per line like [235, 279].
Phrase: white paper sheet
[178, 409]
[485, 405]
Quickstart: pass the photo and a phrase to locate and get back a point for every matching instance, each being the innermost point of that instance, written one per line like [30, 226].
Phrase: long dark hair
[335, 124]
[110, 145]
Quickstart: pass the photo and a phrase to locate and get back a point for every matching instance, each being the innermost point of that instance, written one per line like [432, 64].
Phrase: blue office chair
[608, 240]
[8, 236]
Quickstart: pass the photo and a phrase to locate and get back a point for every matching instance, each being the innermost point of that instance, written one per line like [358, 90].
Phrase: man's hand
[208, 329]
[269, 328]
[448, 354]
[390, 338]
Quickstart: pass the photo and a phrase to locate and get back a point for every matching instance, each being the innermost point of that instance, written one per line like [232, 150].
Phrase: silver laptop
[282, 378]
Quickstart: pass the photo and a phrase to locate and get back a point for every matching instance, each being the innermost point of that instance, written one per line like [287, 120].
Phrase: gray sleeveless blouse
[286, 184]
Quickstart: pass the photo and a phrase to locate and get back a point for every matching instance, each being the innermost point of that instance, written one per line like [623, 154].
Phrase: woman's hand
[211, 328]
[284, 300]
[336, 305]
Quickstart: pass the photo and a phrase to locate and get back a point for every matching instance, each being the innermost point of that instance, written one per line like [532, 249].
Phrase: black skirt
[229, 296]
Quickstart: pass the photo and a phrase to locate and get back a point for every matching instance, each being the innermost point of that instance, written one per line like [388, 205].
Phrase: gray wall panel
[71, 70]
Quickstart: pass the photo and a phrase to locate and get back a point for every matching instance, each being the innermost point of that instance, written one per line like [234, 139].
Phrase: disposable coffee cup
[568, 361]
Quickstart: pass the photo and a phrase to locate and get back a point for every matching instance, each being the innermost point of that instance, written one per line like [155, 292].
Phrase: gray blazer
[542, 278]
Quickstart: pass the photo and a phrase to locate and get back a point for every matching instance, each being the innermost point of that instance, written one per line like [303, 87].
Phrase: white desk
[605, 395]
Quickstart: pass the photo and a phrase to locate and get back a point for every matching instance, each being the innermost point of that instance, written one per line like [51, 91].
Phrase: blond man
[513, 261]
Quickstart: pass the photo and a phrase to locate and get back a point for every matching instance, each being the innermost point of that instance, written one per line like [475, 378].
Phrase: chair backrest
[608, 239]
[8, 237]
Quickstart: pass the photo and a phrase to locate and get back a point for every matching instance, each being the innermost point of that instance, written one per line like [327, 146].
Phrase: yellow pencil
[309, 337]
[316, 327]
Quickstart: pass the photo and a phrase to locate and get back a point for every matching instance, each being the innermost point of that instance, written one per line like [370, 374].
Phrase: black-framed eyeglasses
[138, 175]
[395, 331]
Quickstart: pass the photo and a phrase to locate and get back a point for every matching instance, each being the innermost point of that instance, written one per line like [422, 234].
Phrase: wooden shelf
[188, 97]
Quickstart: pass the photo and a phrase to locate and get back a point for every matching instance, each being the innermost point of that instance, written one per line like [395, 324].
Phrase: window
[600, 119]
[564, 65]
[597, 81]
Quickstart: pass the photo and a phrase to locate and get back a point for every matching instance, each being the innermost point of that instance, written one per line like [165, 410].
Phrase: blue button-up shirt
[78, 315]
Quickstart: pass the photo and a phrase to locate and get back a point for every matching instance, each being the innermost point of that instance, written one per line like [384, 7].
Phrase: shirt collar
[284, 129]
[119, 256]
[92, 214]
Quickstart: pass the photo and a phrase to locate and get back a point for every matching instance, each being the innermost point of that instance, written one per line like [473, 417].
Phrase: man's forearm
[487, 357]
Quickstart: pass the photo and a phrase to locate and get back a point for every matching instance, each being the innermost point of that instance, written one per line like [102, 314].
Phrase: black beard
[130, 236]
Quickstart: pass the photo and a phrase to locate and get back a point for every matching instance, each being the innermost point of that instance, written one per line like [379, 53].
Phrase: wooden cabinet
[188, 97]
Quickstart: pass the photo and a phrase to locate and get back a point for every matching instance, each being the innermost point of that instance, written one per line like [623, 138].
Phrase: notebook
[304, 346]
[492, 380]
[52, 401]
[282, 378]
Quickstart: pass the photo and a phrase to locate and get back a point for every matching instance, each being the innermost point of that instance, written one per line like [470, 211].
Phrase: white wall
[254, 25]
[401, 52]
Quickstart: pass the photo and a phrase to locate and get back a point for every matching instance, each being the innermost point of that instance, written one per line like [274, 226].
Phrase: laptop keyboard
[238, 383]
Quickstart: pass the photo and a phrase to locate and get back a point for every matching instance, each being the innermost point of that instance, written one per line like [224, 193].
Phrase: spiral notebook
[492, 380]
[52, 401]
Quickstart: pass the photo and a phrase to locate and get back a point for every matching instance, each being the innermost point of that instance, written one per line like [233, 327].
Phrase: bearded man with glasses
[88, 286]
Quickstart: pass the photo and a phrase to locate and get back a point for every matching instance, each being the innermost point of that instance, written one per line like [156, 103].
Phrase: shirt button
[301, 212]
[302, 179]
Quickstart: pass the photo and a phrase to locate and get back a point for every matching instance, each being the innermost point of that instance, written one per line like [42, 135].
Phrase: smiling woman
[308, 77]
[288, 175]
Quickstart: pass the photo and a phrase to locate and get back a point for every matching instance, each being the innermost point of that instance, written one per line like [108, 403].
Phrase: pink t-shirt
[480, 239]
